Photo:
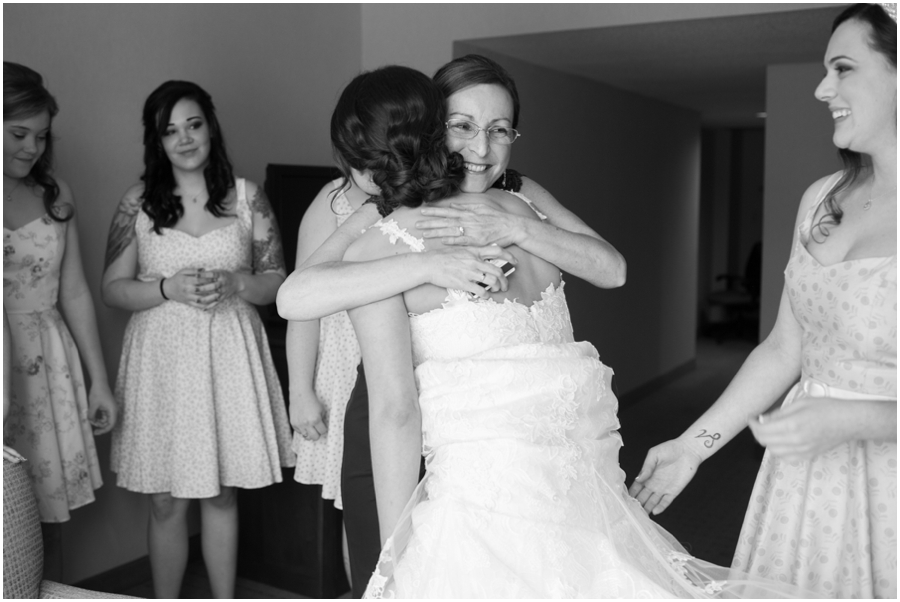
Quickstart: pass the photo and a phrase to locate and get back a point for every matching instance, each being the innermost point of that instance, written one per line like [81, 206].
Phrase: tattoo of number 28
[711, 439]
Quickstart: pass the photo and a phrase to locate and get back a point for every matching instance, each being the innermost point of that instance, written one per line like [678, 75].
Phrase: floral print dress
[48, 415]
[200, 401]
[319, 462]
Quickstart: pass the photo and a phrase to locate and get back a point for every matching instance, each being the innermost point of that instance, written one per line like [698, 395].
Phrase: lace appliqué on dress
[394, 232]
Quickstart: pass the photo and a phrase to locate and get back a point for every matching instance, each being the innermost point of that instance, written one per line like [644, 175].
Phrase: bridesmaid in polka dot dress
[191, 250]
[323, 356]
[823, 512]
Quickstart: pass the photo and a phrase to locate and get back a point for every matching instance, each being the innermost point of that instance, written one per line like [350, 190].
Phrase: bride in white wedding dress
[523, 495]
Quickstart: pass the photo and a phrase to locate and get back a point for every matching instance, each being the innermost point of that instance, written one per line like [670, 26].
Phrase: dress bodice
[464, 326]
[228, 247]
[32, 257]
[848, 312]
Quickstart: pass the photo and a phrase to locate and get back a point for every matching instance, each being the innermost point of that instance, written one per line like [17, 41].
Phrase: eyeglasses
[459, 128]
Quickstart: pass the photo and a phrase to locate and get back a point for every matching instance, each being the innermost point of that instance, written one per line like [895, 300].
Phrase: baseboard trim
[131, 574]
[657, 383]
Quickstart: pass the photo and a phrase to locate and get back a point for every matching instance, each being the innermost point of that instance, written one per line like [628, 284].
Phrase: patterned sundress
[48, 416]
[319, 462]
[201, 404]
[830, 524]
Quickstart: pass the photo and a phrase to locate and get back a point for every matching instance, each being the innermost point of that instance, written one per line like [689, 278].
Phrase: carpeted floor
[706, 518]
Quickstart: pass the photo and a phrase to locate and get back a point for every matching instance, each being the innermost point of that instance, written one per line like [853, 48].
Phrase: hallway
[706, 518]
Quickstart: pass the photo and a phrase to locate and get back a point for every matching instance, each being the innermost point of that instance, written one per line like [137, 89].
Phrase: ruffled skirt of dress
[828, 524]
[201, 404]
[319, 462]
[523, 495]
[48, 416]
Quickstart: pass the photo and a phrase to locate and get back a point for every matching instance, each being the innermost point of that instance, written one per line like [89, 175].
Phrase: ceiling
[715, 66]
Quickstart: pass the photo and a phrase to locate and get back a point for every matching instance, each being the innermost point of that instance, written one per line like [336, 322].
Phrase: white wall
[628, 166]
[274, 73]
[422, 35]
[799, 151]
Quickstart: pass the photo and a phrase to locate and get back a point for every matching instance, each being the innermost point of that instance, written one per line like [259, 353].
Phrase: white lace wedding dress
[523, 495]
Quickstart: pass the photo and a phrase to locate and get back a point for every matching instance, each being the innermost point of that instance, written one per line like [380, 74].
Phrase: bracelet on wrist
[162, 291]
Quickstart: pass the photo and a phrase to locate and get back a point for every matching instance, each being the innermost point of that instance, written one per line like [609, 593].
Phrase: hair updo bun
[390, 122]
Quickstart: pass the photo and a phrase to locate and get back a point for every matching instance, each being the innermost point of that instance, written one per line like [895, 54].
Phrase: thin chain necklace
[868, 204]
[9, 196]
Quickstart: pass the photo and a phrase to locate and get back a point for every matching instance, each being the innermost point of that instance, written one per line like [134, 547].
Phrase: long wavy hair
[391, 121]
[160, 202]
[882, 39]
[24, 96]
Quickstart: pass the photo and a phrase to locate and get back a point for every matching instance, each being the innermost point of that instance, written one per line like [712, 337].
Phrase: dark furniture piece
[289, 536]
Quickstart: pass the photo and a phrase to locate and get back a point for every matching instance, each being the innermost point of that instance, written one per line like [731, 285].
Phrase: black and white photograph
[450, 300]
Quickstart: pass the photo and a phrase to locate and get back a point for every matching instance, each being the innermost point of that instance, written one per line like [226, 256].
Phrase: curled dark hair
[390, 121]
[883, 40]
[24, 96]
[160, 201]
[472, 70]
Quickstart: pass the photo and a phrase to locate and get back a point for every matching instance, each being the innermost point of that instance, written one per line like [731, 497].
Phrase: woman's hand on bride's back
[464, 267]
[472, 224]
[667, 470]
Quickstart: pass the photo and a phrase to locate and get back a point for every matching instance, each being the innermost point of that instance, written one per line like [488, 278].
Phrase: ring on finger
[483, 275]
[462, 231]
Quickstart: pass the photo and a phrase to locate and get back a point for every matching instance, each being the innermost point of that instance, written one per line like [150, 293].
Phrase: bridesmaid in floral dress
[191, 250]
[50, 310]
[823, 512]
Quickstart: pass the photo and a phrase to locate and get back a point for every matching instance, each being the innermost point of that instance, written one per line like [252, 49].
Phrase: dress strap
[530, 203]
[242, 204]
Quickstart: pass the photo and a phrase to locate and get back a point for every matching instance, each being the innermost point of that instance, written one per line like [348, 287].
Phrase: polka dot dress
[319, 462]
[201, 405]
[830, 524]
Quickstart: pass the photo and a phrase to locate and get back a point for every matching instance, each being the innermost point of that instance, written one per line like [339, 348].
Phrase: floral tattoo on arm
[121, 230]
[268, 255]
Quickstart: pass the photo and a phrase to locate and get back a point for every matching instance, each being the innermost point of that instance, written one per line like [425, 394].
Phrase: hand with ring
[472, 224]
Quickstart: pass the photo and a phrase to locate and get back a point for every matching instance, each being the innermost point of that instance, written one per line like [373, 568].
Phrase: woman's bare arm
[563, 239]
[325, 284]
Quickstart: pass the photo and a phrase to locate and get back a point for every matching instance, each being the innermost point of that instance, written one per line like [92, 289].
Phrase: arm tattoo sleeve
[268, 255]
[121, 230]
[260, 204]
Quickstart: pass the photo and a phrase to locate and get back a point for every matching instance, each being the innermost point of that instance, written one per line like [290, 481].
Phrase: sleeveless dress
[523, 495]
[48, 415]
[201, 405]
[319, 462]
[830, 524]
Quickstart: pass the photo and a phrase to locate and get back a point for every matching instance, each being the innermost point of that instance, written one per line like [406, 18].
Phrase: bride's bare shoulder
[388, 236]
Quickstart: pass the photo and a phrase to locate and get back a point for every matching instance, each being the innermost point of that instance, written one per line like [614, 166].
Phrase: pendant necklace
[9, 196]
[868, 204]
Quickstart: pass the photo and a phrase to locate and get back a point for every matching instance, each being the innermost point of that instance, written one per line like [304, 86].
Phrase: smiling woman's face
[186, 139]
[485, 105]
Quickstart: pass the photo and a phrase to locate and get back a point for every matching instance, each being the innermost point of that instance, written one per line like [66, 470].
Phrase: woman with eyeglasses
[522, 495]
[482, 110]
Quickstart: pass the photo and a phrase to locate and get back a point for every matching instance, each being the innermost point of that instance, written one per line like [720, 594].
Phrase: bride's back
[532, 276]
